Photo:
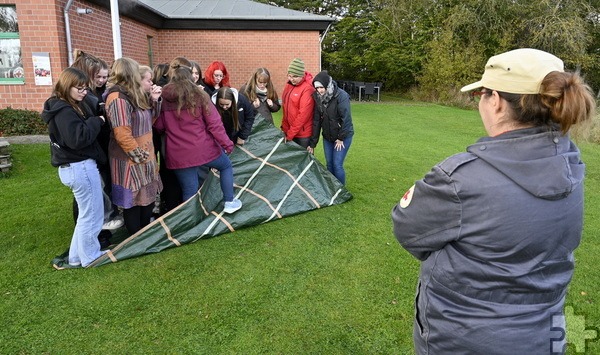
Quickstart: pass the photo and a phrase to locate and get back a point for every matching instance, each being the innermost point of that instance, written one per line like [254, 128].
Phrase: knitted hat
[520, 71]
[322, 78]
[296, 67]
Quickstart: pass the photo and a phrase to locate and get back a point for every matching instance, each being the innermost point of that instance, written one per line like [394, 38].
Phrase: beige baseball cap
[519, 71]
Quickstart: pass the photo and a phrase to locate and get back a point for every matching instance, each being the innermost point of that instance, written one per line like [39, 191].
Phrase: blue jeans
[189, 178]
[335, 159]
[84, 180]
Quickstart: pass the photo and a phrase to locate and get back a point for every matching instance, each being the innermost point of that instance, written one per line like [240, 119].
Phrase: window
[11, 68]
[150, 52]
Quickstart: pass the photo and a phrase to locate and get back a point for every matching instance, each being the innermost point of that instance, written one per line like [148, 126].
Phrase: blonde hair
[145, 69]
[250, 90]
[125, 72]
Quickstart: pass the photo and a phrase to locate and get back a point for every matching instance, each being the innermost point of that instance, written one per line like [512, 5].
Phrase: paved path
[27, 139]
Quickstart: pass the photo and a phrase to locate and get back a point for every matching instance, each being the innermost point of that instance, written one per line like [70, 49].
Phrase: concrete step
[5, 167]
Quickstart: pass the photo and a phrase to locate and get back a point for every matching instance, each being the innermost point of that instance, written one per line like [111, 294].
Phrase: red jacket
[298, 108]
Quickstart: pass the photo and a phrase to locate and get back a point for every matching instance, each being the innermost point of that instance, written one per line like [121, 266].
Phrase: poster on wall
[41, 67]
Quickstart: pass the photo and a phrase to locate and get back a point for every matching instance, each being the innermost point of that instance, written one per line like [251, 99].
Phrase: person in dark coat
[76, 153]
[495, 228]
[333, 118]
[96, 70]
[237, 114]
[170, 196]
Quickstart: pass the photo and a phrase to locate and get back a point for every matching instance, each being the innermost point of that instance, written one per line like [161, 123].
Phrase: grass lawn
[332, 281]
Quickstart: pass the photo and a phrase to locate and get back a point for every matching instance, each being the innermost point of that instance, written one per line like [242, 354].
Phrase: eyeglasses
[477, 94]
[81, 90]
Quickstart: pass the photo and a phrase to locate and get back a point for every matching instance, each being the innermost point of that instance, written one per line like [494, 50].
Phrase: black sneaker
[63, 265]
[104, 238]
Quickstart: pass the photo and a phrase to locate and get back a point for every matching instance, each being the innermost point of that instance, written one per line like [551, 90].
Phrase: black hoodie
[72, 136]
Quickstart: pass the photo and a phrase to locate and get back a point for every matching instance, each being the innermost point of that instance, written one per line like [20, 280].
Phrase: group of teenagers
[495, 227]
[107, 125]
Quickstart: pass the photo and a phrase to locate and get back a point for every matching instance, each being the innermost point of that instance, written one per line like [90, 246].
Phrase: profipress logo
[577, 334]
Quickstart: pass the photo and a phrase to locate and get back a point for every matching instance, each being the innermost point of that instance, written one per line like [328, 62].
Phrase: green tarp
[273, 179]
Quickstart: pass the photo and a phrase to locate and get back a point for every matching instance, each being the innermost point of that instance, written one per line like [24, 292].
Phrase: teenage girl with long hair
[259, 90]
[194, 136]
[75, 151]
[237, 114]
[131, 112]
[96, 70]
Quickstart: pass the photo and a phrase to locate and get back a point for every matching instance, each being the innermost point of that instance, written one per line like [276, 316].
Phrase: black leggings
[137, 217]
[303, 142]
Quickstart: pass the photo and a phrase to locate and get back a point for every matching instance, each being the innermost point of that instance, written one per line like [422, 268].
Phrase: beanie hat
[322, 78]
[296, 67]
[520, 71]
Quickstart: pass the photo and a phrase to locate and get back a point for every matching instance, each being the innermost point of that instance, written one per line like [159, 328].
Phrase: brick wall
[39, 24]
[42, 29]
[243, 51]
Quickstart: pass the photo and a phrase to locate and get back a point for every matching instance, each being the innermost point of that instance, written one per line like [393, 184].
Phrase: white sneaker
[113, 224]
[232, 206]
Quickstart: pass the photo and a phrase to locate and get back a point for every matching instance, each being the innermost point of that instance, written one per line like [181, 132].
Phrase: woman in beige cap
[495, 228]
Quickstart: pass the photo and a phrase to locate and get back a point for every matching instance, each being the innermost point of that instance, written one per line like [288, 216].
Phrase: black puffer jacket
[334, 119]
[73, 138]
[246, 115]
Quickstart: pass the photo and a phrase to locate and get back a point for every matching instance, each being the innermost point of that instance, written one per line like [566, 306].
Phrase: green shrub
[17, 122]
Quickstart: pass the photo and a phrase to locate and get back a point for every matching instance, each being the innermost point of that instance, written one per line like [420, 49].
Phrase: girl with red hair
[215, 77]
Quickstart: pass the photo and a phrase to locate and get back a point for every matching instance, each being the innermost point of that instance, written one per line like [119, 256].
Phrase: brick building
[35, 36]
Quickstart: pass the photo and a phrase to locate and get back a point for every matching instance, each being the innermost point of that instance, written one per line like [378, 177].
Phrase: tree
[472, 31]
[8, 19]
[347, 40]
[439, 45]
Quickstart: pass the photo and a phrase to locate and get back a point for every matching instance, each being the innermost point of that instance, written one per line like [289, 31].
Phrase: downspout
[321, 48]
[116, 28]
[325, 33]
[68, 31]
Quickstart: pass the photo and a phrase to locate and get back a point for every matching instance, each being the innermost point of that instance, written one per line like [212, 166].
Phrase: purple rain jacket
[495, 230]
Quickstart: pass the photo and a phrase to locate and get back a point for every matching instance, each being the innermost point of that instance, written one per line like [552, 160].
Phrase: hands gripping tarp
[273, 179]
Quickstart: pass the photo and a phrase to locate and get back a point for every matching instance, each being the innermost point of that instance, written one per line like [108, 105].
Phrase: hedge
[17, 122]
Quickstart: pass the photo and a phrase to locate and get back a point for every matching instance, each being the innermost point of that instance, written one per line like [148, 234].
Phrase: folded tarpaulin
[272, 178]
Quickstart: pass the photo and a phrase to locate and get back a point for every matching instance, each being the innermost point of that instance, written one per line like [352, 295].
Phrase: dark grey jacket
[334, 120]
[495, 229]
